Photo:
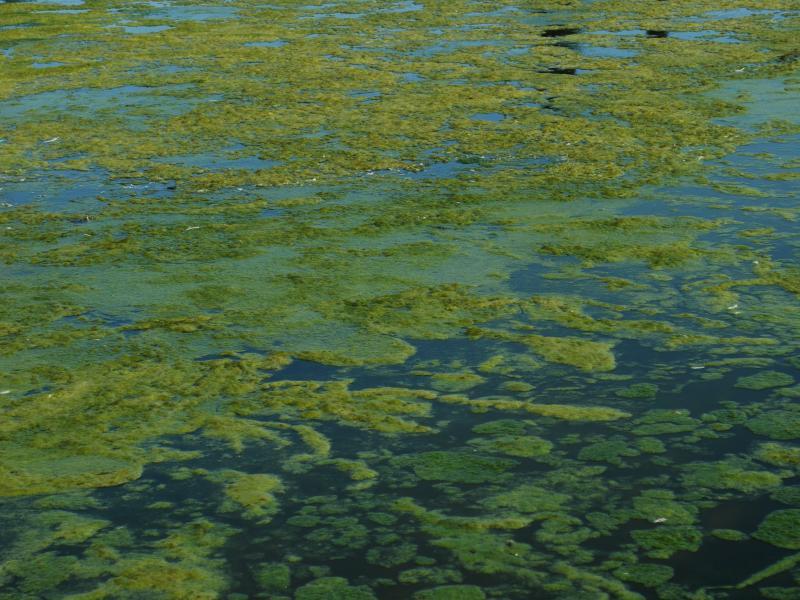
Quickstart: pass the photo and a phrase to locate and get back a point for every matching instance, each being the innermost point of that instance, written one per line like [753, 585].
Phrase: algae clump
[789, 494]
[781, 528]
[273, 577]
[528, 499]
[646, 574]
[664, 541]
[451, 592]
[776, 424]
[729, 535]
[456, 382]
[765, 380]
[577, 352]
[522, 446]
[254, 493]
[610, 451]
[779, 455]
[728, 474]
[639, 391]
[456, 467]
[333, 588]
[41, 472]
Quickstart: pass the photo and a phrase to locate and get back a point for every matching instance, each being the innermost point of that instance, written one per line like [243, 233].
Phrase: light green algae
[422, 287]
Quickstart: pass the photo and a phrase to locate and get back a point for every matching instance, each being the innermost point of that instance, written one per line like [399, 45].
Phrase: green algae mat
[384, 300]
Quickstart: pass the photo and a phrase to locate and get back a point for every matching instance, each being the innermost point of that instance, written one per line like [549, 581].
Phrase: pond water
[432, 300]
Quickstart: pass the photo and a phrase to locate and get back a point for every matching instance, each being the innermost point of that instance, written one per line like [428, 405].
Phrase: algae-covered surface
[420, 299]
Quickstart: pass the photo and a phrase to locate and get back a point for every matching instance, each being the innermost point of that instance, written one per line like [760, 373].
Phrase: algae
[666, 540]
[333, 588]
[610, 451]
[647, 574]
[451, 592]
[254, 493]
[643, 391]
[528, 499]
[455, 382]
[776, 424]
[225, 246]
[729, 535]
[787, 494]
[456, 467]
[528, 446]
[781, 528]
[765, 380]
[273, 578]
[729, 474]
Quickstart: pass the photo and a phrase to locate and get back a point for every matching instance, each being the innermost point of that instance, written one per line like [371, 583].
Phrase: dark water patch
[557, 32]
[562, 71]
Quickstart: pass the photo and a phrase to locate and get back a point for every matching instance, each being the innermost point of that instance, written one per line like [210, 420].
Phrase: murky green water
[371, 299]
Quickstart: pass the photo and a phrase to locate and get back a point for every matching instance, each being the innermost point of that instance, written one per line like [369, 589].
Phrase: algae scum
[423, 299]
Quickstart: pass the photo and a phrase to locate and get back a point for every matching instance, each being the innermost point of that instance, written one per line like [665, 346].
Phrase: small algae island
[414, 299]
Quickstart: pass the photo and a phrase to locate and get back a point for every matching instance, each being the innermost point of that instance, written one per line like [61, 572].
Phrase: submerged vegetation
[422, 299]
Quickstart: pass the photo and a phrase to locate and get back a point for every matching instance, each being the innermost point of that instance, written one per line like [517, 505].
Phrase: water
[399, 300]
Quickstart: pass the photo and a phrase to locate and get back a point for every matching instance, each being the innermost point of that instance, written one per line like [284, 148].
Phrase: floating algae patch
[644, 391]
[335, 588]
[456, 467]
[382, 409]
[586, 355]
[527, 446]
[646, 574]
[583, 354]
[254, 493]
[451, 592]
[661, 422]
[788, 494]
[609, 451]
[729, 474]
[776, 424]
[780, 455]
[765, 380]
[428, 300]
[26, 472]
[557, 411]
[664, 541]
[528, 499]
[781, 528]
[455, 382]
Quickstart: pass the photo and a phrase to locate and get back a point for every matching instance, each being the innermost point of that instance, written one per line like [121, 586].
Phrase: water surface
[399, 300]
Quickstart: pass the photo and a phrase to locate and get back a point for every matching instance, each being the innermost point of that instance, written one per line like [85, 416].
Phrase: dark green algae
[273, 311]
